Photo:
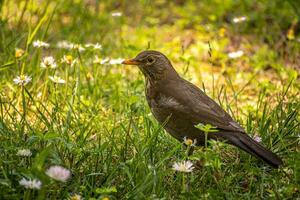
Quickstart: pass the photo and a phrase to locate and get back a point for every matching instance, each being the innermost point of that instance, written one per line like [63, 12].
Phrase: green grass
[98, 124]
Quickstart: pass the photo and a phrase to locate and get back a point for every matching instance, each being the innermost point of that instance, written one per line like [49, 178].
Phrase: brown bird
[180, 105]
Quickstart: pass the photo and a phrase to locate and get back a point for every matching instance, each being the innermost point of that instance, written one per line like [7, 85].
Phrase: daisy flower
[239, 19]
[48, 62]
[39, 44]
[189, 142]
[68, 59]
[31, 184]
[57, 79]
[235, 54]
[59, 173]
[24, 153]
[116, 61]
[185, 166]
[116, 14]
[98, 60]
[65, 45]
[96, 46]
[22, 80]
[78, 47]
[19, 52]
[75, 197]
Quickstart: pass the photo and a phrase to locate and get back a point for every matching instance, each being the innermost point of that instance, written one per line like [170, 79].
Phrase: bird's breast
[163, 107]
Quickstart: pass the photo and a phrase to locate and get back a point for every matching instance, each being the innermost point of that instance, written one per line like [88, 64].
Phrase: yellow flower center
[188, 142]
[69, 59]
[75, 197]
[22, 77]
[19, 53]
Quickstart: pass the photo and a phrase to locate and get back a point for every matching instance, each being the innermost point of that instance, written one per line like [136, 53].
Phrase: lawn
[74, 121]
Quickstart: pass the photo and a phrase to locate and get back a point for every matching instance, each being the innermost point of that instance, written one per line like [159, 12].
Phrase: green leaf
[208, 128]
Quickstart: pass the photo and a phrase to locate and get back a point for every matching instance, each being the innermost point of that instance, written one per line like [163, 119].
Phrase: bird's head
[153, 64]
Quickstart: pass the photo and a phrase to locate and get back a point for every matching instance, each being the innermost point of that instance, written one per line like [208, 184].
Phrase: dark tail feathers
[249, 145]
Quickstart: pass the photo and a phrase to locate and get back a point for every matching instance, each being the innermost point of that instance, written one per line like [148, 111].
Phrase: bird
[179, 106]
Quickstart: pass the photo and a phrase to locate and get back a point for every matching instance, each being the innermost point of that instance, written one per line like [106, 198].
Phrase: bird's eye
[150, 59]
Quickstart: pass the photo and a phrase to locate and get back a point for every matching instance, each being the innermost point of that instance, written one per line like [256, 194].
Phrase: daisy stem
[45, 86]
[78, 79]
[24, 108]
[27, 195]
[188, 149]
[184, 186]
[55, 92]
[67, 79]
[205, 133]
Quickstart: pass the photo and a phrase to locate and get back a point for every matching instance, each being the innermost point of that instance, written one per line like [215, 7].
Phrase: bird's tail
[251, 146]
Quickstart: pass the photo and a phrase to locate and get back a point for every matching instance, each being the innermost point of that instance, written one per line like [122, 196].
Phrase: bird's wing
[200, 108]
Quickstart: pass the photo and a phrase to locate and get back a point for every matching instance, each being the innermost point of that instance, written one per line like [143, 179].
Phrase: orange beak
[131, 62]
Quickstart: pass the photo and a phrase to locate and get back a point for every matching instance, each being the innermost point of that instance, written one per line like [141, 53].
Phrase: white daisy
[116, 61]
[189, 142]
[48, 62]
[22, 80]
[235, 54]
[39, 44]
[57, 79]
[116, 14]
[239, 19]
[19, 52]
[24, 152]
[64, 45]
[185, 166]
[78, 47]
[89, 45]
[68, 59]
[31, 184]
[76, 197]
[98, 60]
[58, 173]
[96, 46]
